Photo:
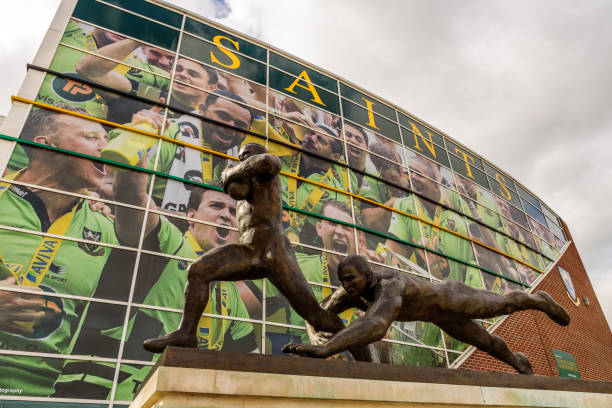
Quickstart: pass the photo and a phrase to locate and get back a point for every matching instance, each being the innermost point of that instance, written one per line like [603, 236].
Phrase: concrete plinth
[192, 378]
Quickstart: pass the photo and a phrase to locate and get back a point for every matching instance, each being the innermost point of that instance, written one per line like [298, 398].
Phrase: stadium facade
[111, 157]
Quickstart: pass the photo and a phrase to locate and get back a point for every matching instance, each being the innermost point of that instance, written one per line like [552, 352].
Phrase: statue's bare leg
[227, 263]
[473, 303]
[289, 280]
[471, 332]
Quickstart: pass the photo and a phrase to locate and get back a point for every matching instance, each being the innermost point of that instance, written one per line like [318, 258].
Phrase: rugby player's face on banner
[220, 209]
[192, 73]
[231, 113]
[355, 137]
[336, 237]
[319, 144]
[421, 184]
[80, 136]
[158, 57]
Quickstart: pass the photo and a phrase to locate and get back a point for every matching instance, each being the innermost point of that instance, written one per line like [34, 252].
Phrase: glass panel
[555, 230]
[223, 58]
[108, 44]
[303, 72]
[533, 212]
[541, 231]
[466, 168]
[403, 354]
[215, 35]
[466, 156]
[504, 192]
[367, 101]
[420, 130]
[481, 213]
[190, 163]
[150, 10]
[495, 262]
[447, 269]
[304, 91]
[392, 253]
[312, 230]
[511, 212]
[131, 376]
[452, 357]
[454, 344]
[527, 274]
[373, 121]
[36, 377]
[300, 113]
[532, 200]
[277, 337]
[425, 147]
[499, 176]
[60, 325]
[430, 169]
[383, 148]
[69, 132]
[498, 284]
[550, 215]
[129, 24]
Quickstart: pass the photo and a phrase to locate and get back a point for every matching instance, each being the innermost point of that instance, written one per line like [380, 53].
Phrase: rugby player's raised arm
[131, 187]
[100, 70]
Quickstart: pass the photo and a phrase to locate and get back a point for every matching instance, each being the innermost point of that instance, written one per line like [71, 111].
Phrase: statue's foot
[553, 309]
[523, 365]
[176, 338]
[306, 350]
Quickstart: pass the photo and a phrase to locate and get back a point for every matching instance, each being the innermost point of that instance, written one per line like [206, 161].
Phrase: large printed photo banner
[99, 224]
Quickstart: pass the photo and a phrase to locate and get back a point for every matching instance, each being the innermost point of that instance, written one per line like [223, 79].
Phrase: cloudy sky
[525, 83]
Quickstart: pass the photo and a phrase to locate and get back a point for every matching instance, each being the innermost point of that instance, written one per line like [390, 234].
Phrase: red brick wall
[587, 338]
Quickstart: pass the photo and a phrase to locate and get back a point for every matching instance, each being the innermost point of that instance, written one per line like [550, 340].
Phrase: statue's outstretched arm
[370, 328]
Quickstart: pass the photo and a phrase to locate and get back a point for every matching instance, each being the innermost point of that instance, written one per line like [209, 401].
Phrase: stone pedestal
[195, 378]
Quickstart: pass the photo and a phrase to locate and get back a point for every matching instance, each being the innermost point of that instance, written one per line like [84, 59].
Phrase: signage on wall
[566, 364]
[569, 285]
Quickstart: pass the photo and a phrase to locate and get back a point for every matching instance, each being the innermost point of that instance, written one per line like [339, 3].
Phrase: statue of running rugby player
[263, 251]
[395, 296]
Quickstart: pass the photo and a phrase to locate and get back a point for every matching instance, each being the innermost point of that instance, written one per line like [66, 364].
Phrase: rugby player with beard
[407, 229]
[303, 195]
[224, 107]
[37, 323]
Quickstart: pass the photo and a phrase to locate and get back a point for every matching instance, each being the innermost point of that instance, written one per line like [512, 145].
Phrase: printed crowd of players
[196, 220]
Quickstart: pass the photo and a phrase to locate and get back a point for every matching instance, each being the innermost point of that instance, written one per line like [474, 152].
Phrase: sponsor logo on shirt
[89, 248]
[72, 90]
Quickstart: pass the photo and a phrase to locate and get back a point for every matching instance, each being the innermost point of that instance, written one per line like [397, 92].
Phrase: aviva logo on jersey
[41, 262]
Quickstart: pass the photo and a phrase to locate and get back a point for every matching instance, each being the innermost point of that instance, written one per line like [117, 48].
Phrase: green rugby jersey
[374, 189]
[302, 196]
[169, 152]
[168, 292]
[75, 270]
[407, 229]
